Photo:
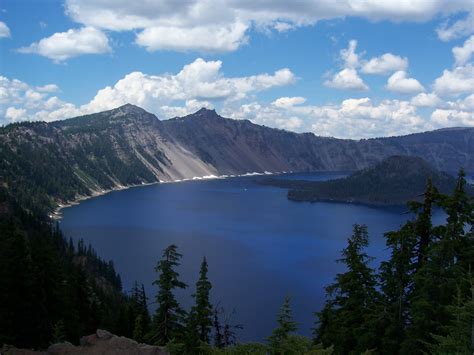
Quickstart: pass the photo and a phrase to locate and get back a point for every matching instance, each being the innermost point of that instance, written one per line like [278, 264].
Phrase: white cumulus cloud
[286, 102]
[72, 43]
[455, 82]
[349, 55]
[452, 118]
[196, 85]
[385, 64]
[4, 30]
[201, 38]
[352, 118]
[463, 54]
[201, 80]
[223, 25]
[460, 28]
[348, 78]
[13, 114]
[399, 82]
[21, 101]
[426, 100]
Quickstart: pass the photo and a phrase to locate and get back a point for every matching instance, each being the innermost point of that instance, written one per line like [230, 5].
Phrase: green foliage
[458, 333]
[59, 332]
[46, 164]
[168, 322]
[199, 320]
[175, 347]
[448, 261]
[347, 320]
[425, 305]
[53, 291]
[396, 278]
[280, 342]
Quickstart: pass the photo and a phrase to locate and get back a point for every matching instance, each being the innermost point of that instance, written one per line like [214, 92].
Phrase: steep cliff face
[126, 146]
[234, 146]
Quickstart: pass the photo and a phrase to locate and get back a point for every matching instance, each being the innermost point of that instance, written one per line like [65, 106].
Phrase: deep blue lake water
[260, 246]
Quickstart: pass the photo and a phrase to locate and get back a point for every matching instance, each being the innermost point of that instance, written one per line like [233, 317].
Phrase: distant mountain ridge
[126, 146]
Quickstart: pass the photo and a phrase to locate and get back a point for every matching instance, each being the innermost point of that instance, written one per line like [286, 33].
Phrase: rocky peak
[205, 113]
[128, 109]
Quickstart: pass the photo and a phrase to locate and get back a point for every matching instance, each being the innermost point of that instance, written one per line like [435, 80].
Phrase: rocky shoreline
[56, 214]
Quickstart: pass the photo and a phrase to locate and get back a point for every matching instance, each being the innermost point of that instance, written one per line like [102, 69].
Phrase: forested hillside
[52, 289]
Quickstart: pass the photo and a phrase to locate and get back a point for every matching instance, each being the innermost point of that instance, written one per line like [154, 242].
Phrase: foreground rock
[102, 342]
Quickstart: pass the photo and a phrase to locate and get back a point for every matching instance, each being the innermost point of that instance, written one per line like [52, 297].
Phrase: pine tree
[229, 330]
[59, 333]
[143, 302]
[423, 225]
[225, 332]
[348, 317]
[218, 341]
[16, 275]
[285, 327]
[200, 318]
[138, 331]
[396, 278]
[448, 261]
[168, 319]
[458, 333]
[137, 313]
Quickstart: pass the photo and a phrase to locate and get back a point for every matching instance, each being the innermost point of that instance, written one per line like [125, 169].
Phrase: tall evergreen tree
[448, 261]
[200, 318]
[396, 279]
[279, 338]
[458, 338]
[138, 313]
[16, 275]
[423, 225]
[169, 316]
[348, 317]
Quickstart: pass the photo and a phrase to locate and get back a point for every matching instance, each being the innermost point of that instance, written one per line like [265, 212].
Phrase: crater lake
[259, 245]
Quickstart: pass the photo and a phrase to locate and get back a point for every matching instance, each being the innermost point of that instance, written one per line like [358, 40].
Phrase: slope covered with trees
[394, 181]
[51, 288]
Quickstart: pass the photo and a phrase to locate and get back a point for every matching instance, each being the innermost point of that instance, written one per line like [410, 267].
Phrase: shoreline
[57, 215]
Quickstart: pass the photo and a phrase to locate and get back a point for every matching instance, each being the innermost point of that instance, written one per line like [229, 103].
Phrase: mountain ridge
[87, 155]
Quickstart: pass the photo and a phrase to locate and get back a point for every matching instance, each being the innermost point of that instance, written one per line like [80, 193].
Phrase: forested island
[394, 181]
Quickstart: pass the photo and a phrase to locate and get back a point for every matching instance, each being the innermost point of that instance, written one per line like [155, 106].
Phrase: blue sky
[352, 68]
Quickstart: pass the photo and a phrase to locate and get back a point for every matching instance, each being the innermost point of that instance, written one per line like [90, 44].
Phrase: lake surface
[260, 246]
